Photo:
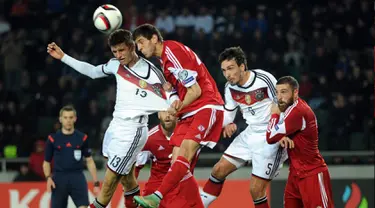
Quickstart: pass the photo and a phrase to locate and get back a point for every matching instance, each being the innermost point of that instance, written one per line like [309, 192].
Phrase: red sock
[261, 203]
[213, 186]
[129, 195]
[177, 172]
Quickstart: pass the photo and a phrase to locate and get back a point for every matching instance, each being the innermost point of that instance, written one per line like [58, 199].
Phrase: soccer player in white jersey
[139, 93]
[253, 91]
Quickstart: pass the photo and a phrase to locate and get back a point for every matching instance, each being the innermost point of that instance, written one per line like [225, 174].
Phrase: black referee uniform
[67, 152]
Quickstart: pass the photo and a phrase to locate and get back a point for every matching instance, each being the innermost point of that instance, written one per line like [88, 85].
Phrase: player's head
[233, 64]
[68, 116]
[286, 91]
[122, 45]
[146, 37]
[167, 121]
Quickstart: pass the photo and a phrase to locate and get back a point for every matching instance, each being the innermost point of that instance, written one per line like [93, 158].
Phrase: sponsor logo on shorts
[198, 136]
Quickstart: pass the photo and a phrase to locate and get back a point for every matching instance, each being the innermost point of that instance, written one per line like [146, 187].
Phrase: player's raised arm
[82, 67]
[293, 121]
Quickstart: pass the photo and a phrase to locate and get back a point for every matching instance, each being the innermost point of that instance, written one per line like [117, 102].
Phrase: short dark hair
[67, 108]
[121, 36]
[289, 80]
[147, 31]
[235, 53]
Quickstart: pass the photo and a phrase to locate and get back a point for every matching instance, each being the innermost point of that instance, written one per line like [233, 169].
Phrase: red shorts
[185, 196]
[310, 192]
[204, 127]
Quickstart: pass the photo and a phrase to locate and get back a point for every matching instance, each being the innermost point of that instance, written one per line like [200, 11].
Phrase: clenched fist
[55, 51]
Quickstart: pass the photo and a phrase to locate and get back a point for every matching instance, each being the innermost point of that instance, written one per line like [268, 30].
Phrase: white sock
[207, 199]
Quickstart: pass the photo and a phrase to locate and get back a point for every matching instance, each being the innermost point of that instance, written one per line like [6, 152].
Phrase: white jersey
[254, 100]
[139, 88]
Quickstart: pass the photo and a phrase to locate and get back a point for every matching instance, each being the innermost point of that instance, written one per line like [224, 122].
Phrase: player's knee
[220, 171]
[128, 182]
[188, 149]
[258, 188]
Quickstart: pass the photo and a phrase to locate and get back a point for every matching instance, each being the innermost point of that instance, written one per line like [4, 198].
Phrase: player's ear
[154, 39]
[60, 119]
[242, 67]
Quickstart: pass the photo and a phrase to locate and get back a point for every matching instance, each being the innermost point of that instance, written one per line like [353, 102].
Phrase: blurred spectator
[25, 175]
[204, 21]
[36, 159]
[165, 22]
[185, 19]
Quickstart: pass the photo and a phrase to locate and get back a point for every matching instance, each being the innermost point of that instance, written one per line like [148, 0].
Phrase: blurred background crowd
[326, 44]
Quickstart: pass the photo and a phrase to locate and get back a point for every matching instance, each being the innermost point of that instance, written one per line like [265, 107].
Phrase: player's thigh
[238, 151]
[316, 191]
[60, 194]
[204, 128]
[292, 197]
[226, 166]
[123, 148]
[79, 190]
[267, 160]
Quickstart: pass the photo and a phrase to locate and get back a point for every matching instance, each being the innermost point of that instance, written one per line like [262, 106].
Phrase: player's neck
[159, 49]
[166, 133]
[134, 59]
[67, 132]
[245, 78]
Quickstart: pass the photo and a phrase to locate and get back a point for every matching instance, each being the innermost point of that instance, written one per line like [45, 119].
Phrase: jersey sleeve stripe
[269, 83]
[172, 58]
[288, 111]
[104, 71]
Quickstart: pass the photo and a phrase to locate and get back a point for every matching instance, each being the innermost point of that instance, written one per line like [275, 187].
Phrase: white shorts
[266, 159]
[122, 142]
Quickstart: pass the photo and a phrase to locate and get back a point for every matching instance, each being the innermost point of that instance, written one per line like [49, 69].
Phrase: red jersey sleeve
[183, 63]
[293, 121]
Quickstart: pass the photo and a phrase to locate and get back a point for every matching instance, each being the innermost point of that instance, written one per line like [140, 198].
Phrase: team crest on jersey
[259, 95]
[201, 128]
[142, 84]
[248, 99]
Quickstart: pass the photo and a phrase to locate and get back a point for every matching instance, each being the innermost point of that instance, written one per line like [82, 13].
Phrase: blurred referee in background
[66, 147]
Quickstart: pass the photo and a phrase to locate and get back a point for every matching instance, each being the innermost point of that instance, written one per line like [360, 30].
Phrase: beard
[284, 105]
[168, 127]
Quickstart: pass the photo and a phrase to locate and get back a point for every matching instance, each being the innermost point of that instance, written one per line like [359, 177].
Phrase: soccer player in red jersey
[293, 124]
[158, 150]
[200, 110]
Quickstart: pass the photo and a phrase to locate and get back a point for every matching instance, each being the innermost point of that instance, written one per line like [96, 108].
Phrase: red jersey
[158, 149]
[183, 68]
[299, 124]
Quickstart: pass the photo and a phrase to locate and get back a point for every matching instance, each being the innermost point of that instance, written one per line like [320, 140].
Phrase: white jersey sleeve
[142, 158]
[271, 82]
[230, 107]
[88, 69]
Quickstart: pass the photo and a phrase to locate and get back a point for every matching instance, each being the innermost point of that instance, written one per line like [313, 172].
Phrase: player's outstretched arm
[82, 67]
